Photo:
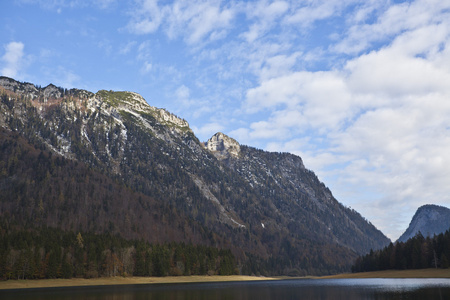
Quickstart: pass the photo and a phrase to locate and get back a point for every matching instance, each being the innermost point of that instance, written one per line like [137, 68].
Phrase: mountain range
[110, 162]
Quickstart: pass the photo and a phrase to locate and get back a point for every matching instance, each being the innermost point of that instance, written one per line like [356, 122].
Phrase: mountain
[110, 163]
[429, 220]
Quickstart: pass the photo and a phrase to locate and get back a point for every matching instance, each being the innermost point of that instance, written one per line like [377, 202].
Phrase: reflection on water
[347, 289]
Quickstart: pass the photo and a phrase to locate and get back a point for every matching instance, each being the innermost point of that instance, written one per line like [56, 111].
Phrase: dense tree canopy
[416, 253]
[53, 253]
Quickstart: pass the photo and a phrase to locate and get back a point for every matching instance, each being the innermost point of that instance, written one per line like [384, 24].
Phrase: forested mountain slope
[109, 162]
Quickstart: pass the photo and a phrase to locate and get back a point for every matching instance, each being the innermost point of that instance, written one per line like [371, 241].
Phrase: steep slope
[288, 189]
[152, 172]
[429, 220]
[39, 188]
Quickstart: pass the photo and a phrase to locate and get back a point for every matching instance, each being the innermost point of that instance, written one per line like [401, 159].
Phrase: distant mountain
[429, 220]
[110, 163]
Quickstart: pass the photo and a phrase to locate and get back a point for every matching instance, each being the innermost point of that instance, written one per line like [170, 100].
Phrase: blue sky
[360, 89]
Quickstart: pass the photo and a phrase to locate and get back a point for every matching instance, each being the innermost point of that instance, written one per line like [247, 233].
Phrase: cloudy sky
[360, 89]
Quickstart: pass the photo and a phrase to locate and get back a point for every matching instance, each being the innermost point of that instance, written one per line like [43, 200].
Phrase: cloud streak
[13, 59]
[194, 20]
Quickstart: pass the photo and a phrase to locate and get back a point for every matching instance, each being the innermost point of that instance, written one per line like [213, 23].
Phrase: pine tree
[444, 261]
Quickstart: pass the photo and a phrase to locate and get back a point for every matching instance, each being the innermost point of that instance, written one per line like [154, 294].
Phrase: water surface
[347, 289]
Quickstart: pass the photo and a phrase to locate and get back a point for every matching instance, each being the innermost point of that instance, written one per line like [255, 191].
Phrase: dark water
[347, 289]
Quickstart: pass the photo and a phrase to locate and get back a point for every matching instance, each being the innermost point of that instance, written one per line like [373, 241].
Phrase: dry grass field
[423, 273]
[43, 283]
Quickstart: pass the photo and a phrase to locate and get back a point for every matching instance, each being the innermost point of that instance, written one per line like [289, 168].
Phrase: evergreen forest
[53, 253]
[418, 252]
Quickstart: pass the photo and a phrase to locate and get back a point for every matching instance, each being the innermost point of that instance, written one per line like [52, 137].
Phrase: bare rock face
[52, 91]
[428, 220]
[166, 116]
[18, 87]
[222, 146]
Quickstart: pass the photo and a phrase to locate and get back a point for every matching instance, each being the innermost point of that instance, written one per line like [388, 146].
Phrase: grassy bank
[45, 283]
[422, 273]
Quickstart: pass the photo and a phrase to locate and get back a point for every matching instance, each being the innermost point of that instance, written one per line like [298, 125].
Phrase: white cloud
[62, 76]
[279, 65]
[411, 64]
[241, 135]
[395, 20]
[307, 12]
[208, 130]
[388, 74]
[58, 5]
[193, 20]
[144, 57]
[265, 16]
[203, 20]
[147, 17]
[13, 59]
[146, 67]
[322, 99]
[125, 49]
[105, 4]
[184, 101]
[144, 51]
[182, 92]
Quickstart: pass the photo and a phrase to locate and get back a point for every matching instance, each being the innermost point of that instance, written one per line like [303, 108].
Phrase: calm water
[347, 289]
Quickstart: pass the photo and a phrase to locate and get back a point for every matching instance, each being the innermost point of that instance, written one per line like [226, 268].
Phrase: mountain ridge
[262, 205]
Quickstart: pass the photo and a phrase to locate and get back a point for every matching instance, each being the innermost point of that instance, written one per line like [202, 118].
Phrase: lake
[325, 289]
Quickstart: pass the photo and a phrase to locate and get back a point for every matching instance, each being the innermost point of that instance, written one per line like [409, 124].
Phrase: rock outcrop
[222, 146]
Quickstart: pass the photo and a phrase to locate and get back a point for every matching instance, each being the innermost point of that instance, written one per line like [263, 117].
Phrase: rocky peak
[429, 220]
[222, 146]
[123, 99]
[30, 90]
[18, 87]
[51, 91]
[166, 116]
[135, 102]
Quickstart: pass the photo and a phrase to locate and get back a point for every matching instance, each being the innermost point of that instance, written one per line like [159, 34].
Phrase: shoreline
[419, 273]
[105, 281]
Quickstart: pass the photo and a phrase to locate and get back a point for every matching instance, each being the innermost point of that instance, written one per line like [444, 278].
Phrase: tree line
[52, 253]
[418, 252]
